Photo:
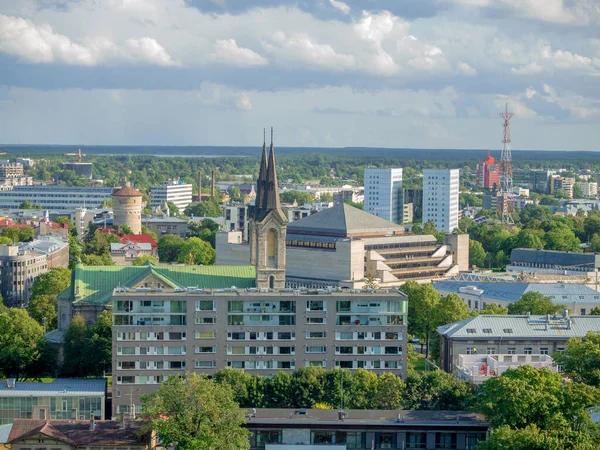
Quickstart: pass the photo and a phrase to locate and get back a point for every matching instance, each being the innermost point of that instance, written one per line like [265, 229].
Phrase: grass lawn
[419, 364]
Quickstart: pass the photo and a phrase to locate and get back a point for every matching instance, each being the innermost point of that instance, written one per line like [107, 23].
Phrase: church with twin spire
[268, 225]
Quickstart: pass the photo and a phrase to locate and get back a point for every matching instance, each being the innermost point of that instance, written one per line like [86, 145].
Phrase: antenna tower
[506, 182]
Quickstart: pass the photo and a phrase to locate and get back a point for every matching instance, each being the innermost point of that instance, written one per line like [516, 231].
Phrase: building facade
[510, 335]
[83, 170]
[588, 188]
[383, 194]
[315, 429]
[175, 191]
[22, 263]
[72, 398]
[166, 225]
[440, 198]
[488, 173]
[54, 197]
[163, 331]
[530, 260]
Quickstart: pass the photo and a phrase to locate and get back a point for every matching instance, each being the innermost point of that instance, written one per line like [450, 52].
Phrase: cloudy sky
[389, 73]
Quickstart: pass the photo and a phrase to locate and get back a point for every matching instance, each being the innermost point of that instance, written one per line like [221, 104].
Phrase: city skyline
[420, 74]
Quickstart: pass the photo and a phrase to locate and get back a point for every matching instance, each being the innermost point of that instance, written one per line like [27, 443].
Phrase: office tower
[383, 193]
[440, 198]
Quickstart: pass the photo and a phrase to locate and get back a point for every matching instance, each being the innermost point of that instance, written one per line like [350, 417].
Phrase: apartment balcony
[369, 320]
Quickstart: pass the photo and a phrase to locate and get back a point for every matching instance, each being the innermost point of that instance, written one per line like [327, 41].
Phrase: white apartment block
[180, 194]
[383, 193]
[440, 198]
[589, 189]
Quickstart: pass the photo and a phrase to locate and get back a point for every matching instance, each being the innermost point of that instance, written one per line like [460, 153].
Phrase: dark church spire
[261, 183]
[272, 191]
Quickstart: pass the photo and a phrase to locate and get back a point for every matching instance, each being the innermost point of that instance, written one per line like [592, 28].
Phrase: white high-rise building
[383, 193]
[175, 191]
[440, 198]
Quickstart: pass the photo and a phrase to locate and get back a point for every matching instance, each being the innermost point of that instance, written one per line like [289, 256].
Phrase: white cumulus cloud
[227, 51]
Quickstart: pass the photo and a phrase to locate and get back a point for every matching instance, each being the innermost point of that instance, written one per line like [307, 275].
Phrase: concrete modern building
[341, 245]
[127, 208]
[510, 335]
[10, 170]
[236, 219]
[578, 298]
[488, 173]
[414, 196]
[72, 398]
[54, 197]
[383, 193]
[41, 434]
[22, 263]
[170, 329]
[166, 225]
[318, 429]
[440, 198]
[176, 191]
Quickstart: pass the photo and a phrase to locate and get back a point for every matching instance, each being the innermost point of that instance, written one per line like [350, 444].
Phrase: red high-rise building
[488, 173]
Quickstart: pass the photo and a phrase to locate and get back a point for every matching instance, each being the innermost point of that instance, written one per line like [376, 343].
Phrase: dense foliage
[88, 350]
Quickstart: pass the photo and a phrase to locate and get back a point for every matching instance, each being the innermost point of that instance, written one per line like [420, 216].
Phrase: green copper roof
[95, 284]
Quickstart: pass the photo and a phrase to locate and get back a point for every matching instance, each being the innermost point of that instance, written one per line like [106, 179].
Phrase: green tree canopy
[196, 251]
[207, 208]
[168, 247]
[477, 255]
[143, 259]
[236, 195]
[97, 260]
[18, 233]
[299, 197]
[581, 359]
[534, 303]
[77, 361]
[493, 308]
[196, 413]
[20, 336]
[43, 308]
[173, 209]
[52, 282]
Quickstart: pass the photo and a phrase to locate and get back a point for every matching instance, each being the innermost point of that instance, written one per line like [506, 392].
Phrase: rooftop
[559, 293]
[95, 284]
[361, 417]
[554, 257]
[69, 387]
[343, 220]
[79, 434]
[511, 327]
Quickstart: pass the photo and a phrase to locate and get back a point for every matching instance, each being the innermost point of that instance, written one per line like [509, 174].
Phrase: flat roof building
[383, 193]
[63, 398]
[440, 198]
[175, 191]
[54, 197]
[297, 429]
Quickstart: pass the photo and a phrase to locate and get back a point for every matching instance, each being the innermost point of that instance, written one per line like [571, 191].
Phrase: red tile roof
[138, 239]
[128, 191]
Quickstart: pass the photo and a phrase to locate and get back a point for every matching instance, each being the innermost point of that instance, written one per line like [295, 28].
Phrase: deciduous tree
[20, 336]
[196, 413]
[534, 303]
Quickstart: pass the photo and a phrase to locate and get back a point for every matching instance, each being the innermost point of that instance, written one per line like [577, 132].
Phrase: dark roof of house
[78, 433]
[343, 220]
[361, 417]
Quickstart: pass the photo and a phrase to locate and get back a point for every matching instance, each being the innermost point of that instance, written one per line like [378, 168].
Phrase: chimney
[212, 189]
[199, 186]
[92, 423]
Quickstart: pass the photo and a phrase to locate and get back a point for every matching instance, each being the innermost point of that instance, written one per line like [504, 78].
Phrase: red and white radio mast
[506, 180]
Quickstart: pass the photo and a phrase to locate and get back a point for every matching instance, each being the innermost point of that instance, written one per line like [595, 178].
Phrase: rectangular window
[445, 440]
[385, 440]
[345, 335]
[416, 440]
[471, 351]
[205, 305]
[343, 306]
[528, 350]
[322, 437]
[315, 305]
[544, 351]
[205, 349]
[316, 349]
[205, 334]
[491, 351]
[205, 320]
[316, 335]
[511, 351]
[315, 320]
[236, 306]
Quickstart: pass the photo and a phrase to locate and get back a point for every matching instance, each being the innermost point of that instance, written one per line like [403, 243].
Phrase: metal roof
[518, 327]
[5, 432]
[511, 292]
[342, 220]
[64, 387]
[554, 257]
